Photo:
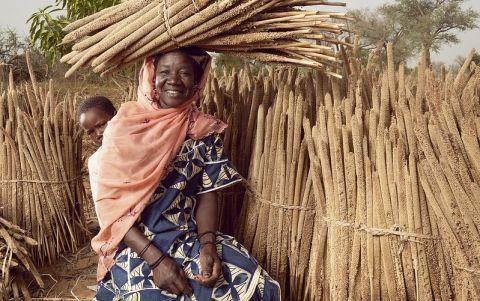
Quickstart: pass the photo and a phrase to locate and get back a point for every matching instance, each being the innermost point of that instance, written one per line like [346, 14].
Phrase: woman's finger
[210, 281]
[217, 268]
[207, 267]
[201, 280]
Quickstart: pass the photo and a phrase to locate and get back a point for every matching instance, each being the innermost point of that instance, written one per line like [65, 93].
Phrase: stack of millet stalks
[16, 262]
[265, 30]
[41, 183]
[361, 188]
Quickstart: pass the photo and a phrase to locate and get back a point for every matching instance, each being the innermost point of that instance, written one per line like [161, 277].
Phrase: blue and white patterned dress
[169, 220]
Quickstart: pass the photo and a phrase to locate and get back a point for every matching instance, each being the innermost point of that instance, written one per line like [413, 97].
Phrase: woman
[159, 167]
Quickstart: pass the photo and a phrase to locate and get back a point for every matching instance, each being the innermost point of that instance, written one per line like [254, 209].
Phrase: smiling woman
[176, 78]
[156, 178]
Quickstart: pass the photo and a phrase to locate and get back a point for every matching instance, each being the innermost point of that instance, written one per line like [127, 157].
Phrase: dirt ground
[72, 278]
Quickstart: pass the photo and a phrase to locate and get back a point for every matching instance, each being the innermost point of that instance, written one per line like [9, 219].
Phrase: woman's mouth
[173, 93]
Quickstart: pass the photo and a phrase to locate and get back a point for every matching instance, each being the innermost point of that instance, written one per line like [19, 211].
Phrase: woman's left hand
[210, 266]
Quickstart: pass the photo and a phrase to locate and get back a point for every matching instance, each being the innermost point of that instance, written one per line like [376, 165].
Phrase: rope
[378, 231]
[468, 270]
[405, 236]
[278, 205]
[166, 18]
[250, 190]
[196, 6]
[40, 181]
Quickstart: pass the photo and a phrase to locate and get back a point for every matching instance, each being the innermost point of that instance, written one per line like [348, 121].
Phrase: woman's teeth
[173, 93]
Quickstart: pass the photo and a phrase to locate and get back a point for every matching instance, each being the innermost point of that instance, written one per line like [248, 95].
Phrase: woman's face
[175, 79]
[94, 121]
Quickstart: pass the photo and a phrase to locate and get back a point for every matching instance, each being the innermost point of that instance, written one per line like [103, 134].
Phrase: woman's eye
[164, 73]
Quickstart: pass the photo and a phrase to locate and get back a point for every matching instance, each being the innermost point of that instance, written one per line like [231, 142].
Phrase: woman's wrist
[207, 236]
[151, 255]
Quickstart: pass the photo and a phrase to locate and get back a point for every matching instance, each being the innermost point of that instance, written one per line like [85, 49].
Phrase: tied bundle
[41, 185]
[365, 188]
[16, 263]
[264, 30]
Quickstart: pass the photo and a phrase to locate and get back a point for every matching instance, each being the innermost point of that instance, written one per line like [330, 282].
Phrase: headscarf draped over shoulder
[138, 145]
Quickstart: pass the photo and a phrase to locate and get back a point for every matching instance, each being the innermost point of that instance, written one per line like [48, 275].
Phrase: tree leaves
[414, 24]
[46, 24]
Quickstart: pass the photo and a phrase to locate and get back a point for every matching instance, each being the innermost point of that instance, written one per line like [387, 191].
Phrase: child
[93, 115]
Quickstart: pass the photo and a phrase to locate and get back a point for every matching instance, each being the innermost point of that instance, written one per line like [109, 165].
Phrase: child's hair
[100, 102]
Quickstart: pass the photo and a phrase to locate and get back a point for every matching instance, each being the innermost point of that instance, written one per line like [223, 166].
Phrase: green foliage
[227, 62]
[46, 25]
[414, 24]
[223, 61]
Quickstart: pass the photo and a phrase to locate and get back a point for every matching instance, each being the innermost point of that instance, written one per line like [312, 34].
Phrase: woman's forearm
[207, 214]
[137, 241]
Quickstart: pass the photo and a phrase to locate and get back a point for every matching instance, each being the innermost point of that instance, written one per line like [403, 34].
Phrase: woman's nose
[173, 78]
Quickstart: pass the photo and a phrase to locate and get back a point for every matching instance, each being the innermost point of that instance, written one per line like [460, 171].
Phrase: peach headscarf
[138, 145]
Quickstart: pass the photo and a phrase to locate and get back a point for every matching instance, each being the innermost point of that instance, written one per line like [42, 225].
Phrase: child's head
[93, 114]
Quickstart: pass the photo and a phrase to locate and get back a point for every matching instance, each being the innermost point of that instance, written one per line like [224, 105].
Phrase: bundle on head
[265, 30]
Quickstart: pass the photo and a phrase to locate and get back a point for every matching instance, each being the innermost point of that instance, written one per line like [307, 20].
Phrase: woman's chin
[172, 102]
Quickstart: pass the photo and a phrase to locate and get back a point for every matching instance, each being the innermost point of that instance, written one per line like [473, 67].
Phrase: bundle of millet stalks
[276, 31]
[16, 264]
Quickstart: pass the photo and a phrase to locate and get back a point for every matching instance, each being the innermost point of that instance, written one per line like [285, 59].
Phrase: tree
[12, 57]
[415, 24]
[459, 60]
[10, 45]
[378, 27]
[46, 25]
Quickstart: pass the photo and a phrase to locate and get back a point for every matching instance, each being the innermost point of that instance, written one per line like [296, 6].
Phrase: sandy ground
[72, 278]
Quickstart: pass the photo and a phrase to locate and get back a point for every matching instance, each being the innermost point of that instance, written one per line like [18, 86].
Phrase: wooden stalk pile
[16, 262]
[363, 188]
[40, 167]
[265, 30]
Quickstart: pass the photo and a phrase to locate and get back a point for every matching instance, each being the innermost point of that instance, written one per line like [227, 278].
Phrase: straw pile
[16, 262]
[265, 30]
[40, 167]
[363, 188]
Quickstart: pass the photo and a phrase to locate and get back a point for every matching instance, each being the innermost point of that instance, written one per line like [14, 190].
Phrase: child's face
[94, 121]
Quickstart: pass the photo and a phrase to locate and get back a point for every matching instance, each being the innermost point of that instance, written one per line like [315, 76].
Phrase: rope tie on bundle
[468, 270]
[166, 17]
[405, 236]
[197, 9]
[395, 230]
[257, 196]
[13, 181]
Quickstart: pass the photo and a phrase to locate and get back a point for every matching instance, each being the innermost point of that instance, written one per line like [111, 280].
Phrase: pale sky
[14, 14]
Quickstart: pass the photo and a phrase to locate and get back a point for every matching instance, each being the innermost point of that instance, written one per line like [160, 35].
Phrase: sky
[14, 14]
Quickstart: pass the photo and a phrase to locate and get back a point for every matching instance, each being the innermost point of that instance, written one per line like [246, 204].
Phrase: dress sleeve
[219, 171]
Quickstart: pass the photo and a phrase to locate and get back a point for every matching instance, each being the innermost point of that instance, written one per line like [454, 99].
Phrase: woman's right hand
[169, 276]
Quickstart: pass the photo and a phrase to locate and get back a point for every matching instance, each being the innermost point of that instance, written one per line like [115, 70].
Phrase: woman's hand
[210, 266]
[169, 276]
